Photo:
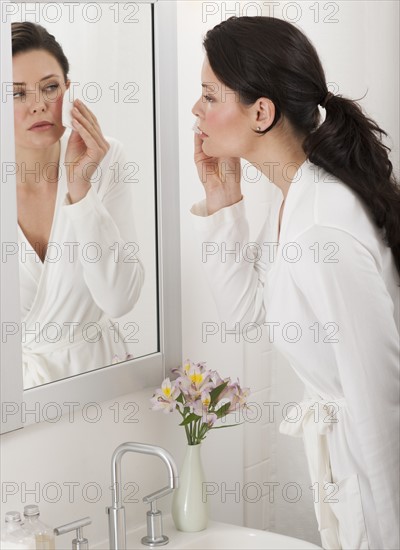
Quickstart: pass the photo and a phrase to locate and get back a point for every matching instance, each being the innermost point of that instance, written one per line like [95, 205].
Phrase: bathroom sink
[217, 536]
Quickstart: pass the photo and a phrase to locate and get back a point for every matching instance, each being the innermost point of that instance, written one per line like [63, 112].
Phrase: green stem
[187, 434]
[198, 430]
[186, 427]
[191, 434]
[195, 426]
[204, 430]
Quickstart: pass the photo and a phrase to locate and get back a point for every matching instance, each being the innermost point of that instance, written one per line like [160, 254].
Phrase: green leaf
[190, 418]
[222, 411]
[227, 426]
[215, 393]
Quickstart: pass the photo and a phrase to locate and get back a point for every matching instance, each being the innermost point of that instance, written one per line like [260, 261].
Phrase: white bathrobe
[328, 300]
[91, 273]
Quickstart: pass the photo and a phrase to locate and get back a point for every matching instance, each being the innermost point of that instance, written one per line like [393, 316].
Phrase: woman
[75, 228]
[334, 277]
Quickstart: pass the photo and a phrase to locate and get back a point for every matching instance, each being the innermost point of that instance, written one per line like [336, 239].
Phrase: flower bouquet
[201, 397]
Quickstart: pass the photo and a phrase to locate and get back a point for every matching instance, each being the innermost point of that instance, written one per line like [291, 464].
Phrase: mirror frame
[20, 407]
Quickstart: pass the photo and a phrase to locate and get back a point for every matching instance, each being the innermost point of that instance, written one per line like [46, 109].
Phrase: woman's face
[223, 118]
[38, 95]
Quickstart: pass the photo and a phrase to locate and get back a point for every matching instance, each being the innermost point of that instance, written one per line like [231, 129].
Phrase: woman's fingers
[198, 146]
[206, 166]
[89, 130]
[89, 122]
[86, 112]
[96, 145]
[86, 148]
[85, 134]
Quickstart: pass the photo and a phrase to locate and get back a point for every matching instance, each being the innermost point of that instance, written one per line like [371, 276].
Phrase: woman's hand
[85, 150]
[220, 177]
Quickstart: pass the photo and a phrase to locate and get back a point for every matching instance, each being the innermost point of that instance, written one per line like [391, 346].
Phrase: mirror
[48, 402]
[82, 300]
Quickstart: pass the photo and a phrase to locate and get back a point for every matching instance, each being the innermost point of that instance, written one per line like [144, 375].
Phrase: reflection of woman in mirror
[77, 243]
[327, 294]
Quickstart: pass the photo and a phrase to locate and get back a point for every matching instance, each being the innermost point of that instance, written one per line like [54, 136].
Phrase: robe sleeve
[105, 230]
[351, 292]
[234, 267]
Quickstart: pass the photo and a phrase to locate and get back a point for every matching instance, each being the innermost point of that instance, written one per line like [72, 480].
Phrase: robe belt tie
[34, 348]
[34, 364]
[312, 419]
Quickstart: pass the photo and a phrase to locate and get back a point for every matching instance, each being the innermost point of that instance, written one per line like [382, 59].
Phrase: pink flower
[201, 404]
[165, 398]
[201, 408]
[238, 397]
[217, 380]
[194, 380]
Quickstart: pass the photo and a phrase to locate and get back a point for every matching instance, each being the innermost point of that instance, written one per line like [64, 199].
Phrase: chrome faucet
[116, 512]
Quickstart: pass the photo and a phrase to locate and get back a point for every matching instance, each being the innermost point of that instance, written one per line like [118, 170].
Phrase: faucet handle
[155, 536]
[157, 494]
[80, 543]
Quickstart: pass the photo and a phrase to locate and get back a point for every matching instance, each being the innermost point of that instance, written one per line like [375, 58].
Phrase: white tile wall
[275, 468]
[258, 436]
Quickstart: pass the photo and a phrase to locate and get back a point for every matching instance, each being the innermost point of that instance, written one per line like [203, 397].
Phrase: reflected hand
[219, 176]
[85, 150]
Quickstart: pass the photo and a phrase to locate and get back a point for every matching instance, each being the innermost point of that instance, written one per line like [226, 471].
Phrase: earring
[258, 128]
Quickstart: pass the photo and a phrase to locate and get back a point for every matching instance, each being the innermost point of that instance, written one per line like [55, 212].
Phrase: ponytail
[349, 145]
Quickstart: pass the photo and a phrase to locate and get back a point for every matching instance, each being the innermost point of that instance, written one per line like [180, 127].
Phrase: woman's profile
[77, 241]
[334, 274]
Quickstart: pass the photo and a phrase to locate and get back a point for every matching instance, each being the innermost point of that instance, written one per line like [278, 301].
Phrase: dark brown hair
[268, 57]
[27, 36]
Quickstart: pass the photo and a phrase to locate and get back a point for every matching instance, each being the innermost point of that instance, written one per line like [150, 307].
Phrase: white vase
[189, 507]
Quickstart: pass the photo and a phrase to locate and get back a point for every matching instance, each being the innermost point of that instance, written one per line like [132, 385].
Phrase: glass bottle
[44, 535]
[14, 536]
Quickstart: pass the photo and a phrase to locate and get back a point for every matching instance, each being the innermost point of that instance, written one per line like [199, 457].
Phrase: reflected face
[39, 89]
[224, 120]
